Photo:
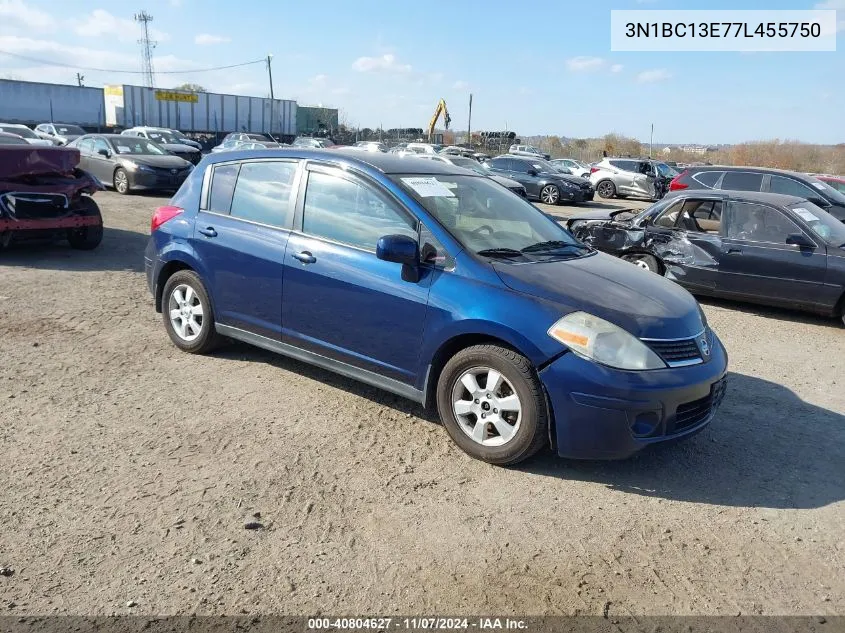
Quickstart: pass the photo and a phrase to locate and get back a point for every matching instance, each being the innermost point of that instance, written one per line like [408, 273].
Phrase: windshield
[65, 130]
[25, 132]
[839, 185]
[665, 170]
[469, 163]
[544, 166]
[136, 145]
[832, 194]
[489, 220]
[821, 223]
[162, 137]
[257, 137]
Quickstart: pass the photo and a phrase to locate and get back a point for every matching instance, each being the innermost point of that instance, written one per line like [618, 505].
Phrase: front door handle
[208, 231]
[734, 249]
[305, 257]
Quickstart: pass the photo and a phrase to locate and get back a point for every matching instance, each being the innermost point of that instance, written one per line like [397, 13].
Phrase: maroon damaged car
[45, 196]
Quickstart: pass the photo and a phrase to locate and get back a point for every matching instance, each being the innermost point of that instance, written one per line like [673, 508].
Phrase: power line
[130, 72]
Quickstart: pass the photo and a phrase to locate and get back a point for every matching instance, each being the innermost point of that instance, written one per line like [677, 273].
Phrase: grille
[32, 206]
[697, 411]
[677, 353]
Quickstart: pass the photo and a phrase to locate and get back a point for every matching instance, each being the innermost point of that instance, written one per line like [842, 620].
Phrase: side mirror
[104, 152]
[819, 202]
[532, 172]
[799, 239]
[401, 249]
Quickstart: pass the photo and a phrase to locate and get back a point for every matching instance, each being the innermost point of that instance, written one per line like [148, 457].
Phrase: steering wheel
[484, 227]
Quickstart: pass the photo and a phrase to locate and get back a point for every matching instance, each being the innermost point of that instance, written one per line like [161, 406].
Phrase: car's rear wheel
[491, 402]
[121, 181]
[641, 260]
[86, 238]
[550, 194]
[188, 317]
[606, 189]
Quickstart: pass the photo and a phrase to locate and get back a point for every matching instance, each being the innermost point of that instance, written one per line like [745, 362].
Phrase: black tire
[606, 189]
[87, 238]
[550, 194]
[532, 433]
[643, 261]
[208, 337]
[120, 180]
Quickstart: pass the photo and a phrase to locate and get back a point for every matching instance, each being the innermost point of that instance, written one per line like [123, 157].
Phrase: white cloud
[652, 76]
[460, 85]
[384, 63]
[616, 68]
[102, 23]
[584, 64]
[16, 12]
[206, 39]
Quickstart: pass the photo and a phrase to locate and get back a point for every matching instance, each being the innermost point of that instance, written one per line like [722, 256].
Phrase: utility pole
[148, 45]
[272, 97]
[469, 123]
[79, 79]
[651, 142]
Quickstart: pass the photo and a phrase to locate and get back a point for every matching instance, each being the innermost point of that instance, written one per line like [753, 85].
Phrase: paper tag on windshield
[805, 215]
[123, 149]
[428, 187]
[818, 185]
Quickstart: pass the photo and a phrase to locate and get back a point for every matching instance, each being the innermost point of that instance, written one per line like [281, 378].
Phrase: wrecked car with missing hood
[44, 196]
[765, 248]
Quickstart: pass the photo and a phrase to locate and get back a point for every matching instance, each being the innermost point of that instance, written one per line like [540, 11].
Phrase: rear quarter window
[707, 178]
[223, 181]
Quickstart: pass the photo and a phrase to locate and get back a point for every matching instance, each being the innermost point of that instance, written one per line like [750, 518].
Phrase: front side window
[759, 223]
[791, 187]
[86, 146]
[263, 193]
[99, 144]
[348, 212]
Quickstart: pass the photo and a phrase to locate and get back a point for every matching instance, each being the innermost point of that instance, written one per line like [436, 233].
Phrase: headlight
[145, 168]
[569, 185]
[603, 342]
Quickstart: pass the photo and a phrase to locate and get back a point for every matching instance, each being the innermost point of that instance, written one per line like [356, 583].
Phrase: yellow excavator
[441, 109]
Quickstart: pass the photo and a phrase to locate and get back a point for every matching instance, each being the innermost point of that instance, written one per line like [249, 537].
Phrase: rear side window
[742, 181]
[624, 165]
[708, 178]
[263, 193]
[702, 216]
[791, 187]
[669, 217]
[500, 163]
[222, 188]
[348, 212]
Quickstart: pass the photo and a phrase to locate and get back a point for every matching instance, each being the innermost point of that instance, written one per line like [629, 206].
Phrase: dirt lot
[130, 469]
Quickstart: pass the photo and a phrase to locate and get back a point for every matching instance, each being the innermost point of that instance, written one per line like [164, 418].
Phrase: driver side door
[101, 166]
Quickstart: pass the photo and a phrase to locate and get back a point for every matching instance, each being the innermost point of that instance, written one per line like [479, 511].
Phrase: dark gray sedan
[765, 248]
[130, 163]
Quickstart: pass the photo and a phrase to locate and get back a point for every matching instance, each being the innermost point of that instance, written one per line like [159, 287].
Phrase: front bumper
[577, 195]
[605, 413]
[157, 181]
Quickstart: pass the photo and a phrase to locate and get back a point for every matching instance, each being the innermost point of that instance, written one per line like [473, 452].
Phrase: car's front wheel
[491, 402]
[121, 181]
[550, 194]
[188, 317]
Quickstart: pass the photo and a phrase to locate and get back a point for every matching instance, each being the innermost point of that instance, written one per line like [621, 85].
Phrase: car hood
[505, 182]
[637, 300]
[178, 147]
[167, 162]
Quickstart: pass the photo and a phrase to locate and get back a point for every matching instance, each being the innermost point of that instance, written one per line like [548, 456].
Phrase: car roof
[385, 163]
[762, 170]
[778, 199]
[17, 125]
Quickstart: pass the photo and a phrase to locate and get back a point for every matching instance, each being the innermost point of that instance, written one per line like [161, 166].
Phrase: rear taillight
[162, 215]
[593, 170]
[675, 185]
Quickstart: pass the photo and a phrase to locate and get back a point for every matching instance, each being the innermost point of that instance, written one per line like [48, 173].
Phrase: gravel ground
[131, 470]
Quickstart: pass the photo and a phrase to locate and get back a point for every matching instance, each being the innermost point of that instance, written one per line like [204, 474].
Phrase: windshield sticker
[428, 187]
[123, 149]
[450, 185]
[818, 185]
[805, 215]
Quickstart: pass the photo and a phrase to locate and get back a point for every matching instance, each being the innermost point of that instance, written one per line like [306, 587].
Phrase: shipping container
[207, 112]
[31, 103]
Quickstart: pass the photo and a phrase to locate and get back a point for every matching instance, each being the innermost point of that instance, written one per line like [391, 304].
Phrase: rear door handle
[305, 257]
[208, 231]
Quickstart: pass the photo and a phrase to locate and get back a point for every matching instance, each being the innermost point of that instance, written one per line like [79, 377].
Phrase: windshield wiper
[499, 252]
[552, 245]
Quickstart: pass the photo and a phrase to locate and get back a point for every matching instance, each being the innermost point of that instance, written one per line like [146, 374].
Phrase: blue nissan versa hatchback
[437, 284]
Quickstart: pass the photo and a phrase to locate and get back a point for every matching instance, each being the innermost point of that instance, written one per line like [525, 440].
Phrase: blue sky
[539, 68]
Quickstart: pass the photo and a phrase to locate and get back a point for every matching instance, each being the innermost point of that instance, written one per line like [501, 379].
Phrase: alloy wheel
[605, 190]
[121, 182]
[549, 194]
[486, 406]
[186, 312]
